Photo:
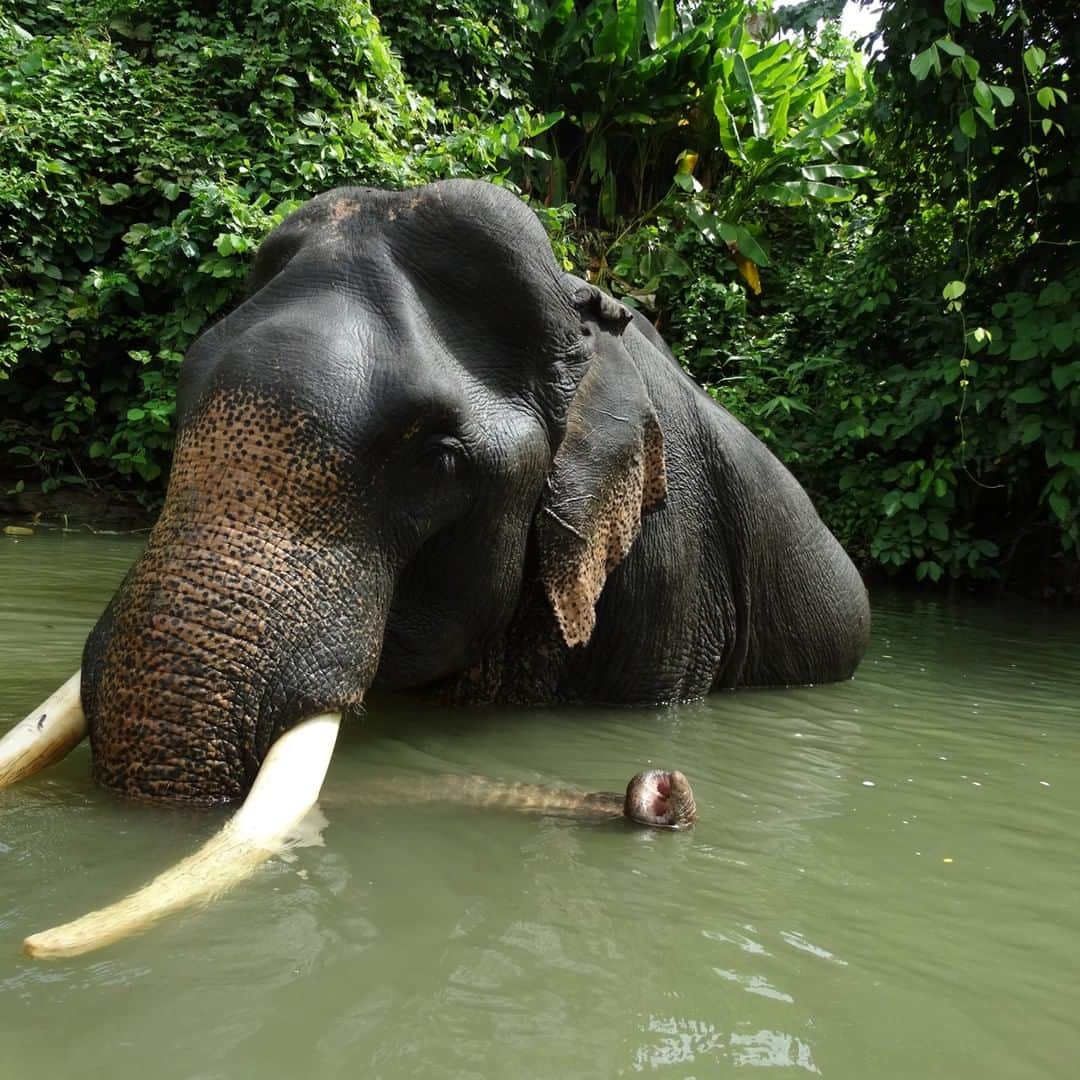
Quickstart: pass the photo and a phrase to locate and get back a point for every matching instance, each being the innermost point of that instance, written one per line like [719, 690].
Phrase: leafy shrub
[149, 146]
[872, 268]
[466, 54]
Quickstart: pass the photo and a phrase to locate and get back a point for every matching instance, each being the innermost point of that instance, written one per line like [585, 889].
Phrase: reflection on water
[696, 1044]
[882, 884]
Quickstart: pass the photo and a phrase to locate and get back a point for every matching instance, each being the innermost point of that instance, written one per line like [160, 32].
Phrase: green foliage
[148, 146]
[871, 263]
[467, 54]
[680, 118]
[981, 193]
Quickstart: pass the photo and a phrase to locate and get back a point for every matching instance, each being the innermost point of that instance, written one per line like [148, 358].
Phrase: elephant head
[412, 405]
[362, 448]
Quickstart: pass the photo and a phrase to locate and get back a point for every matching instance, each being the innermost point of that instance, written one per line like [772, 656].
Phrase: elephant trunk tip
[661, 798]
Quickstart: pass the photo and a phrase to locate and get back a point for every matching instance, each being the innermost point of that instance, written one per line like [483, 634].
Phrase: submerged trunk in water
[656, 797]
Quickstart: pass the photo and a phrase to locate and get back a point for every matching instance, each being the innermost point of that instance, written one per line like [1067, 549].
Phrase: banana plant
[627, 73]
[689, 109]
[779, 128]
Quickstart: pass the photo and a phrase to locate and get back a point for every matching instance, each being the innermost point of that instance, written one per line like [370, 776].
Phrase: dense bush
[915, 356]
[148, 146]
[872, 266]
[467, 54]
[977, 224]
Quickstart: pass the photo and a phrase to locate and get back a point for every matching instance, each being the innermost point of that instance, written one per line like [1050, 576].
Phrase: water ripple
[882, 883]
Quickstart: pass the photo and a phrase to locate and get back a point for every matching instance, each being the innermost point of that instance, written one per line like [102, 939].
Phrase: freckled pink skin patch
[251, 530]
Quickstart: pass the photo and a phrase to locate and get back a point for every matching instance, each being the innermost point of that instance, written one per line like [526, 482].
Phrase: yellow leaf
[687, 160]
[748, 269]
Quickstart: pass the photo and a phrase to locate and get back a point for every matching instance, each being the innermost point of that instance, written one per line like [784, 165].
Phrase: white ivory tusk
[46, 735]
[286, 788]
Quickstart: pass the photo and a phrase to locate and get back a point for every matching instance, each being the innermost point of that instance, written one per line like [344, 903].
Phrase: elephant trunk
[253, 619]
[210, 651]
[253, 605]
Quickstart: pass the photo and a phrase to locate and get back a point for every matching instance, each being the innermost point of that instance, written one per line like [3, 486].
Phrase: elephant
[420, 455]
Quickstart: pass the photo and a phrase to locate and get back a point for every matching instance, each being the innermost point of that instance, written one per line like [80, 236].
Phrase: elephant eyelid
[444, 442]
[446, 448]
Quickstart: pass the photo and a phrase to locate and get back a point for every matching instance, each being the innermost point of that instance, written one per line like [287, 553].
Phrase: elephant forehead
[350, 352]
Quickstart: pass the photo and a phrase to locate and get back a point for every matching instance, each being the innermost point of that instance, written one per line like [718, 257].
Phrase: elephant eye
[443, 453]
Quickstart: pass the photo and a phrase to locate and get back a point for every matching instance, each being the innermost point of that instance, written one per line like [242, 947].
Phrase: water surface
[884, 882]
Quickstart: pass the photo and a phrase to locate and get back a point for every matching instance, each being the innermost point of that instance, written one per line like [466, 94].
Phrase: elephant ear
[608, 471]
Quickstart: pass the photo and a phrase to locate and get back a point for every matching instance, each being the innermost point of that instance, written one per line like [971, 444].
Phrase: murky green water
[885, 881]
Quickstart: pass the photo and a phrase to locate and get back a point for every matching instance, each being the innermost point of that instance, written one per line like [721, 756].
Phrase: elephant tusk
[46, 735]
[286, 788]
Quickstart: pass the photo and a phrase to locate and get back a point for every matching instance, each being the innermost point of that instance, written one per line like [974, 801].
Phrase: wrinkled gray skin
[421, 455]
